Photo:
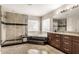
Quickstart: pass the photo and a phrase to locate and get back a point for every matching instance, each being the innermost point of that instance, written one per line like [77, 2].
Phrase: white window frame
[37, 26]
[46, 26]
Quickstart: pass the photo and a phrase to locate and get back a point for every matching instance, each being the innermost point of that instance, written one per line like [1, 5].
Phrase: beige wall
[73, 20]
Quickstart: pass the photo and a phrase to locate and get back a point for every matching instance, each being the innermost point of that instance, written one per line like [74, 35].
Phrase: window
[33, 25]
[46, 25]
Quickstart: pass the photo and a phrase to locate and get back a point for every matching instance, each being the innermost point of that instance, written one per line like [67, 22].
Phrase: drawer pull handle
[57, 35]
[66, 49]
[66, 42]
[66, 37]
[57, 40]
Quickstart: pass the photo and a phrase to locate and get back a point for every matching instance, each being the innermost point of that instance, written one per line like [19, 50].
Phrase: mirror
[70, 25]
[59, 25]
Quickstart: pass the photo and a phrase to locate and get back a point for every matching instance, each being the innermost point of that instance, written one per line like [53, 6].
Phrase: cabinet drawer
[67, 37]
[57, 35]
[66, 46]
[57, 39]
[75, 48]
[57, 45]
[76, 39]
[67, 50]
[67, 43]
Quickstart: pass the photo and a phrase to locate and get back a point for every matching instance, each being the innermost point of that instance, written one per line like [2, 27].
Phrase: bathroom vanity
[64, 41]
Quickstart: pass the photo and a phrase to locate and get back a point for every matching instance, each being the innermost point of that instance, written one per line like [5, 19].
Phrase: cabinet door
[67, 44]
[56, 41]
[49, 38]
[75, 47]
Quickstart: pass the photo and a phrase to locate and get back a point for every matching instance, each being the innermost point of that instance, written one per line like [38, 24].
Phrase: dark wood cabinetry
[49, 38]
[75, 48]
[56, 40]
[65, 43]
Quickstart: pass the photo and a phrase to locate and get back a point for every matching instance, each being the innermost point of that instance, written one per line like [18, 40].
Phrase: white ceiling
[31, 9]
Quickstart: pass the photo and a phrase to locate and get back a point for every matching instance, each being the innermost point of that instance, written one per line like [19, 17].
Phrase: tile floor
[24, 48]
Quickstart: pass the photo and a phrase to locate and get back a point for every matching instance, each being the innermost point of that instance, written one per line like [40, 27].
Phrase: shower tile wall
[14, 31]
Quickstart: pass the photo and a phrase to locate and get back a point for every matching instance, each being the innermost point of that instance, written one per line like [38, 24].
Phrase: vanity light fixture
[68, 9]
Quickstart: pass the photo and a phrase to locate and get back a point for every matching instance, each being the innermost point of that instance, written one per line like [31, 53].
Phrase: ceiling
[31, 9]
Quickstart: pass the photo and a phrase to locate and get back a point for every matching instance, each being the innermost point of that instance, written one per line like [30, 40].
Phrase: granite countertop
[67, 33]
